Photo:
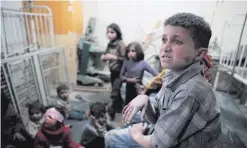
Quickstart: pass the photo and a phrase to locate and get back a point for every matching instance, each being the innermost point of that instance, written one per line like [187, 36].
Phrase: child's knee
[116, 136]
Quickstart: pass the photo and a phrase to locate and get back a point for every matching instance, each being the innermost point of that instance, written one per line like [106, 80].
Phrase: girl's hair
[117, 29]
[138, 50]
[35, 106]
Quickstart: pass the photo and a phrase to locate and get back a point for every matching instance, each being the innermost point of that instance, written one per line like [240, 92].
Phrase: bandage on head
[54, 114]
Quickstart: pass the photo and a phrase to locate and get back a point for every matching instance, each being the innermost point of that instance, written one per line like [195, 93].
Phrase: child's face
[102, 119]
[132, 52]
[111, 34]
[63, 94]
[36, 115]
[49, 121]
[177, 49]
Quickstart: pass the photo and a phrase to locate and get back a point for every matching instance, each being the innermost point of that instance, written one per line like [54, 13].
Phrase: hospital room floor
[233, 116]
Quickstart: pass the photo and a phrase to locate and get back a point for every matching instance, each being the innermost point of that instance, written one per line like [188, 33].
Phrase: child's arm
[150, 69]
[119, 57]
[121, 49]
[31, 129]
[39, 140]
[151, 114]
[139, 102]
[123, 71]
[171, 123]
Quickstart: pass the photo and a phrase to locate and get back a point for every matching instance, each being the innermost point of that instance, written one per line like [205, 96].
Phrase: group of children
[184, 112]
[46, 127]
[126, 64]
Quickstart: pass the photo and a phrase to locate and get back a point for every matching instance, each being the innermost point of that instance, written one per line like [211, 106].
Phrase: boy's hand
[95, 122]
[137, 129]
[138, 103]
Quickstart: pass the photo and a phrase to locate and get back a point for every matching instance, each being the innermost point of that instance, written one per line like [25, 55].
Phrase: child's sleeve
[123, 71]
[121, 51]
[150, 69]
[31, 129]
[88, 134]
[107, 49]
[152, 108]
[39, 140]
[68, 141]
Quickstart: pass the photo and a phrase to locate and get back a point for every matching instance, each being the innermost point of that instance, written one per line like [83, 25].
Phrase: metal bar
[239, 42]
[27, 28]
[9, 88]
[46, 31]
[42, 51]
[9, 9]
[37, 27]
[27, 13]
[233, 55]
[66, 69]
[216, 79]
[53, 43]
[245, 65]
[41, 31]
[33, 33]
[238, 48]
[12, 25]
[241, 57]
[228, 59]
[21, 31]
[9, 43]
[245, 62]
[40, 79]
[4, 37]
[11, 77]
[52, 68]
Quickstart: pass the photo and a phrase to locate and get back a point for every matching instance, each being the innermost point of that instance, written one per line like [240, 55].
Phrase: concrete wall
[137, 18]
[228, 34]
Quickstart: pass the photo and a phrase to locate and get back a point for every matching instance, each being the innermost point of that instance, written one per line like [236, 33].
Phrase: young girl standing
[133, 69]
[115, 54]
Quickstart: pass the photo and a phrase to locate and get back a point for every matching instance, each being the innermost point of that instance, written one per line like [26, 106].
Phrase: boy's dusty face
[177, 49]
